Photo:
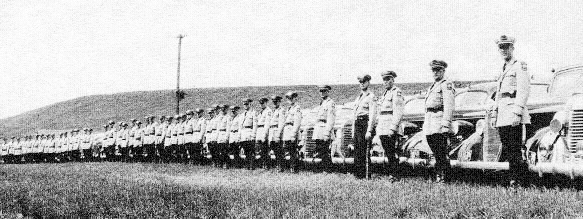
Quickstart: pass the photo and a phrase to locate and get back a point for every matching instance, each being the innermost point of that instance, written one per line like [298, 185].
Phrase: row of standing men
[183, 137]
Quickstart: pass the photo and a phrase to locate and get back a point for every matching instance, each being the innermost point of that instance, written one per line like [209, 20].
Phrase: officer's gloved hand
[368, 136]
[516, 121]
[444, 130]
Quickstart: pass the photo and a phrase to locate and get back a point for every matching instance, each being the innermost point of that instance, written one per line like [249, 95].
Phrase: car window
[470, 98]
[567, 83]
[414, 106]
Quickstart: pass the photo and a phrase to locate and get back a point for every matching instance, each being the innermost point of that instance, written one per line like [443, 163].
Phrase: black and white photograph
[291, 109]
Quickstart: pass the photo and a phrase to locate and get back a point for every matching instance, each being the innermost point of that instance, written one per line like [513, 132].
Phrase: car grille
[310, 143]
[346, 138]
[575, 132]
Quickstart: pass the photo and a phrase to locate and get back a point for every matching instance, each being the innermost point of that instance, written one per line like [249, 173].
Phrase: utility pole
[179, 93]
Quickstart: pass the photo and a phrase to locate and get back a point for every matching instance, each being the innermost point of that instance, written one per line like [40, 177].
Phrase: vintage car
[558, 146]
[473, 144]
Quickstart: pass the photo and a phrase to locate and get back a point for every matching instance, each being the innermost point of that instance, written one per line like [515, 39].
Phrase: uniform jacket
[199, 130]
[248, 125]
[512, 92]
[366, 106]
[325, 118]
[222, 126]
[276, 123]
[262, 124]
[233, 129]
[293, 121]
[441, 96]
[391, 105]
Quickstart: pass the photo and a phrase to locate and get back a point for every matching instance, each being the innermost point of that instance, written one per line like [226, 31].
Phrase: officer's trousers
[291, 148]
[195, 153]
[223, 151]
[323, 152]
[263, 148]
[214, 150]
[249, 148]
[391, 151]
[360, 146]
[277, 148]
[438, 144]
[511, 138]
[235, 150]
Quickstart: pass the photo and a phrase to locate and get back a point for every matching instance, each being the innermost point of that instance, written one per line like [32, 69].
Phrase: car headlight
[559, 121]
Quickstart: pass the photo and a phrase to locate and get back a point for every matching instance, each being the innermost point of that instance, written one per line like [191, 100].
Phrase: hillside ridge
[93, 111]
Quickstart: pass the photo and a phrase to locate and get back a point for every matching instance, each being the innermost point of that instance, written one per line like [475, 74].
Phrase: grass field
[177, 190]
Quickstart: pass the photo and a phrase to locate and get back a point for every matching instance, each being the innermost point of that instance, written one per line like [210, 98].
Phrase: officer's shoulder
[447, 85]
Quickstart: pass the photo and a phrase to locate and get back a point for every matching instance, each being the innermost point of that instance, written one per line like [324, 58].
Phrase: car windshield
[565, 84]
[470, 99]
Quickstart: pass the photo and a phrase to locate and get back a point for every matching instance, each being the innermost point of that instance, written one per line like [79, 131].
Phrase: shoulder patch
[524, 66]
[399, 93]
[449, 86]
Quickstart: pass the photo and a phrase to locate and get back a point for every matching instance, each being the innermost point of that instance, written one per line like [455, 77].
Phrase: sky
[52, 51]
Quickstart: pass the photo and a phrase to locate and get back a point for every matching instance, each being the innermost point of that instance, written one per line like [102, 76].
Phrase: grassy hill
[93, 111]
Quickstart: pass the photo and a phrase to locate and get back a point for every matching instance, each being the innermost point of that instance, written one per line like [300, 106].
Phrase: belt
[131, 135]
[273, 126]
[174, 134]
[222, 130]
[362, 117]
[386, 112]
[248, 127]
[159, 135]
[234, 131]
[167, 136]
[289, 123]
[181, 134]
[209, 131]
[111, 137]
[188, 133]
[260, 126]
[322, 120]
[435, 109]
[511, 95]
[152, 133]
[146, 135]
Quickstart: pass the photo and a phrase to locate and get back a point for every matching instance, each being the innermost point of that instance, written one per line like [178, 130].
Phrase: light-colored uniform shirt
[262, 125]
[439, 107]
[276, 123]
[366, 106]
[248, 125]
[293, 120]
[391, 105]
[513, 89]
[325, 118]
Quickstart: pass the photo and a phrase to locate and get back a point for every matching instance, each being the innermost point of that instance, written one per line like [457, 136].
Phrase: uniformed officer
[3, 150]
[276, 123]
[324, 126]
[363, 127]
[85, 145]
[199, 130]
[160, 130]
[391, 105]
[211, 135]
[188, 135]
[138, 149]
[170, 138]
[247, 133]
[180, 147]
[131, 136]
[439, 108]
[223, 136]
[233, 130]
[110, 147]
[261, 132]
[291, 131]
[510, 113]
